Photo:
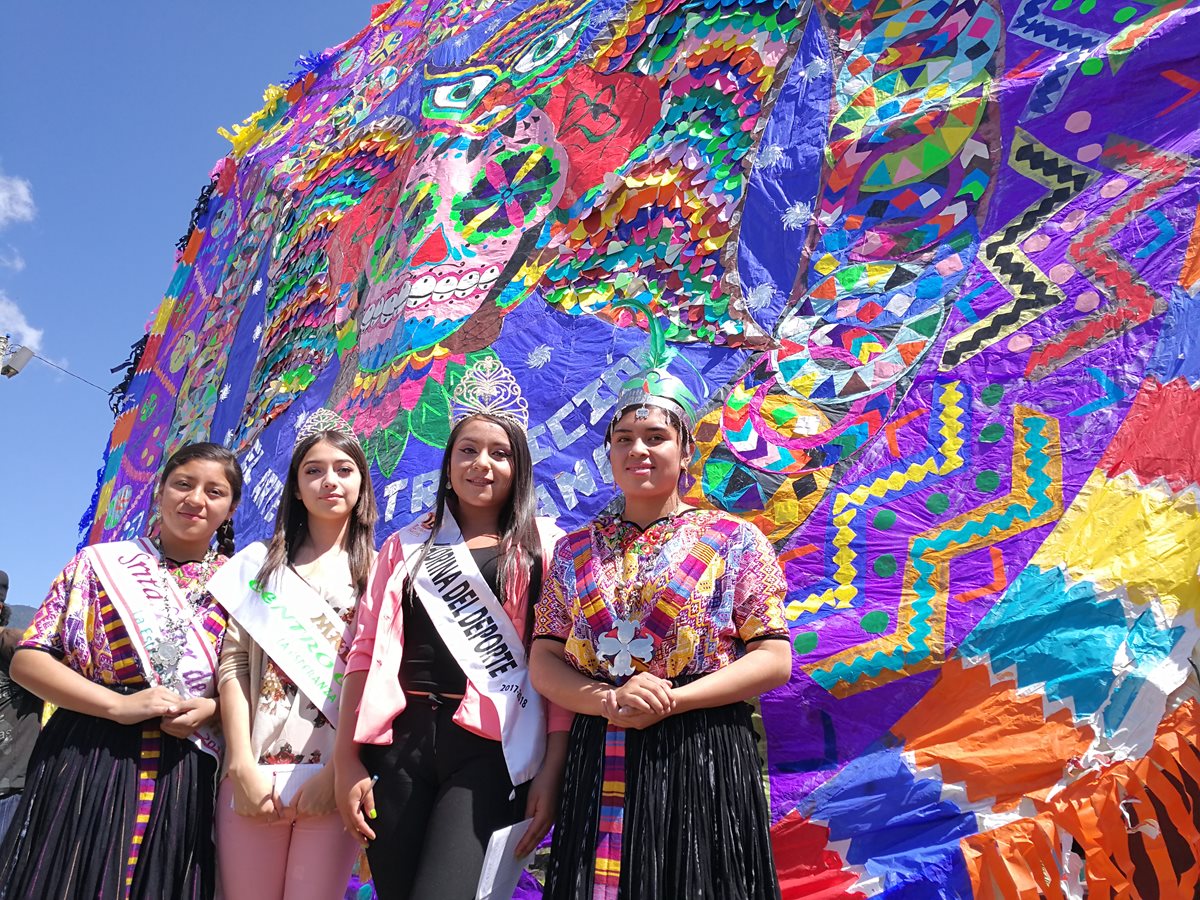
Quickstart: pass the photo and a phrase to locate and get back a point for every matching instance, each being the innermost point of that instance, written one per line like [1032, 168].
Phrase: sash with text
[482, 638]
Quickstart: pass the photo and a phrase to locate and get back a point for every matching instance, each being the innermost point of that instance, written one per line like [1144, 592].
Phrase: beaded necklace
[641, 613]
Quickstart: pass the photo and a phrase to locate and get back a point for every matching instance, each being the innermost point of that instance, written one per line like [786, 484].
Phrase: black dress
[694, 805]
[110, 811]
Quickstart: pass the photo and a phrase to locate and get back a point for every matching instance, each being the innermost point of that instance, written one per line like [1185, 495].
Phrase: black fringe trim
[198, 210]
[118, 397]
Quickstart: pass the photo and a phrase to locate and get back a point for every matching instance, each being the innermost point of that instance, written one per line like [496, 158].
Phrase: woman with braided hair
[118, 800]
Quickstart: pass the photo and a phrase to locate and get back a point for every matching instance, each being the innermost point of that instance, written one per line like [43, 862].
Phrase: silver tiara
[488, 388]
[322, 420]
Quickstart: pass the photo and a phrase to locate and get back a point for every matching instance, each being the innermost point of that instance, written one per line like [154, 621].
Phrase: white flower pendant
[623, 646]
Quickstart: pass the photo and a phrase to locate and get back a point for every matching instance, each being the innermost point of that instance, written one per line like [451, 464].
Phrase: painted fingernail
[372, 814]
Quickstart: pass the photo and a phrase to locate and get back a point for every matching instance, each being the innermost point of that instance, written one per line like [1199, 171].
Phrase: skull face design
[487, 173]
[459, 223]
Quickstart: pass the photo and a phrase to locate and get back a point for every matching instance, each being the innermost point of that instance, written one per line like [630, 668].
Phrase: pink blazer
[378, 647]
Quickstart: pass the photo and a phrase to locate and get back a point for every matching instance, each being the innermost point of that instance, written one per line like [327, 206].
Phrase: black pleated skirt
[696, 823]
[76, 827]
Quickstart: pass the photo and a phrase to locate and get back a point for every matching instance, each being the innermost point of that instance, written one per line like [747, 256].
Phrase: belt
[433, 698]
[126, 688]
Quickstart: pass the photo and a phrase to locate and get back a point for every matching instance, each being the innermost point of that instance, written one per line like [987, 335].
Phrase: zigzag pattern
[1032, 23]
[918, 642]
[942, 459]
[1033, 293]
[1135, 300]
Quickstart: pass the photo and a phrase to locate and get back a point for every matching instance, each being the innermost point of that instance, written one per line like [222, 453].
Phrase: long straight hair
[291, 520]
[206, 451]
[520, 547]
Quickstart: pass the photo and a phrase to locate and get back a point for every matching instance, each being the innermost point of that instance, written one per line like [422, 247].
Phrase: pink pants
[309, 859]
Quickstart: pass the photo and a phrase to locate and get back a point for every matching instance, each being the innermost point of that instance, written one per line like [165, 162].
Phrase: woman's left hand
[541, 806]
[315, 797]
[542, 803]
[188, 715]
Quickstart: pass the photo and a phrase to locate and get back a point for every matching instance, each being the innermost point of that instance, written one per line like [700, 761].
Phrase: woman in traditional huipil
[656, 622]
[119, 797]
[437, 706]
[291, 603]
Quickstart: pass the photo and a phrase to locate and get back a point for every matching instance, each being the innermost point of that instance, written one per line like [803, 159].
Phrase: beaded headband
[488, 388]
[322, 420]
[643, 401]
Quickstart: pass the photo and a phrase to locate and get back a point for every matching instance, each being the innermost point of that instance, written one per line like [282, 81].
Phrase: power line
[72, 374]
[8, 350]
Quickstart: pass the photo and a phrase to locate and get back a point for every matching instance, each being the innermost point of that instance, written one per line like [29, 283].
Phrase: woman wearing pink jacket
[445, 739]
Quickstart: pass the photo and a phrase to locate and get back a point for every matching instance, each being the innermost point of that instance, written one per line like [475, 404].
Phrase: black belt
[127, 688]
[434, 699]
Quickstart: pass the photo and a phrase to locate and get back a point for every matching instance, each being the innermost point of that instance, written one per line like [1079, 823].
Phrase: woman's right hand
[355, 799]
[645, 693]
[151, 703]
[642, 701]
[254, 793]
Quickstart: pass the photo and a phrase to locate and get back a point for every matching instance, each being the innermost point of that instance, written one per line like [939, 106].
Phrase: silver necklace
[166, 653]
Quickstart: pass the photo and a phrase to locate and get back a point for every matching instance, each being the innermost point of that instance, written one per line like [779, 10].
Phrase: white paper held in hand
[286, 779]
[502, 870]
[291, 777]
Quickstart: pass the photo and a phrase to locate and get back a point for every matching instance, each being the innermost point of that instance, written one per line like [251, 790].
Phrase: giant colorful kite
[933, 266]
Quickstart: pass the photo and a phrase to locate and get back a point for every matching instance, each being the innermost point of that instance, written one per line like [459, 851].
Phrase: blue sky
[108, 129]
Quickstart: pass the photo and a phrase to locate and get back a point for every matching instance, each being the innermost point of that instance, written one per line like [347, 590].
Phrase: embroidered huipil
[78, 624]
[683, 597]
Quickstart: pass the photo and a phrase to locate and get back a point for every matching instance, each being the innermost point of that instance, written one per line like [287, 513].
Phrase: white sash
[130, 573]
[482, 638]
[295, 626]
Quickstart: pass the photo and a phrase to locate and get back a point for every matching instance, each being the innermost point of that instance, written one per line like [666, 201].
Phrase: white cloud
[11, 258]
[16, 200]
[13, 321]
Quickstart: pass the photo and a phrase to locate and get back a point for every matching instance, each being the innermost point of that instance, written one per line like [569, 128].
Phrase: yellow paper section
[1118, 533]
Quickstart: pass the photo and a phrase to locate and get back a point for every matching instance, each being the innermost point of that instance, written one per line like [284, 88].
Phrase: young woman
[118, 801]
[655, 624]
[445, 740]
[290, 606]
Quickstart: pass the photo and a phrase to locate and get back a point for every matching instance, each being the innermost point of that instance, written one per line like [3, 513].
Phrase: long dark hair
[206, 451]
[520, 548]
[291, 520]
